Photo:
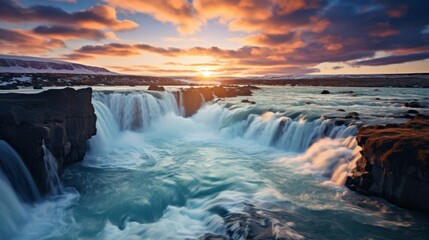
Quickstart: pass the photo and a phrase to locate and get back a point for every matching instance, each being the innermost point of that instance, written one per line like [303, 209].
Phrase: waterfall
[272, 129]
[16, 187]
[13, 213]
[107, 128]
[181, 106]
[137, 110]
[326, 146]
[16, 172]
[330, 158]
[52, 180]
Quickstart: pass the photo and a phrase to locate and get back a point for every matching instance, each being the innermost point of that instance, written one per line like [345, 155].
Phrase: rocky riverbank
[62, 119]
[395, 163]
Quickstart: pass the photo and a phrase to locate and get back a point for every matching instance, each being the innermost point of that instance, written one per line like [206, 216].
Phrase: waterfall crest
[135, 111]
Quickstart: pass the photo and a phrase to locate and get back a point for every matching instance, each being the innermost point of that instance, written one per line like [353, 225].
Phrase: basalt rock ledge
[395, 163]
[62, 119]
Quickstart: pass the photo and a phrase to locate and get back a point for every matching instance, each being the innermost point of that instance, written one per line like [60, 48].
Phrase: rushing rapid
[233, 170]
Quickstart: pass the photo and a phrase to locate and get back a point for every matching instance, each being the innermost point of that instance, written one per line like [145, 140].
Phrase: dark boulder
[153, 87]
[64, 119]
[325, 92]
[341, 110]
[412, 111]
[395, 163]
[248, 101]
[413, 105]
[352, 115]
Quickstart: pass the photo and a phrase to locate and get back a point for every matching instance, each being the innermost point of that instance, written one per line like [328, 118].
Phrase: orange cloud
[24, 42]
[96, 17]
[179, 12]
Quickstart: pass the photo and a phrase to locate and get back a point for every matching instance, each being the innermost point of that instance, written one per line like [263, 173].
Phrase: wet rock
[9, 87]
[413, 105]
[194, 98]
[412, 111]
[252, 87]
[325, 92]
[395, 163]
[248, 101]
[352, 115]
[153, 87]
[211, 236]
[63, 118]
[37, 87]
[377, 99]
[341, 110]
[253, 223]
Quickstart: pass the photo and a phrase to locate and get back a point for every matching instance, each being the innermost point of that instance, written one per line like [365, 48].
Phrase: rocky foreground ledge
[395, 163]
[64, 119]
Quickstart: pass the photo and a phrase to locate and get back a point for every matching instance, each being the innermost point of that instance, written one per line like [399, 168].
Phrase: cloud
[67, 32]
[393, 59]
[96, 17]
[67, 1]
[179, 12]
[337, 67]
[23, 42]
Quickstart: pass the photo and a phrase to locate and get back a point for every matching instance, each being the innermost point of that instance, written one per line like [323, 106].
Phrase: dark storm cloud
[66, 32]
[393, 59]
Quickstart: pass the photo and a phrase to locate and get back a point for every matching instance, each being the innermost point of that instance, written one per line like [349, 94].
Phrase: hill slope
[20, 64]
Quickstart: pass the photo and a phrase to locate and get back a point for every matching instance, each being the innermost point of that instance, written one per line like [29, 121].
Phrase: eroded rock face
[64, 119]
[193, 98]
[395, 163]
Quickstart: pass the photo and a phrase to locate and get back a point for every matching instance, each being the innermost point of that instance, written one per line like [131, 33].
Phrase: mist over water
[152, 174]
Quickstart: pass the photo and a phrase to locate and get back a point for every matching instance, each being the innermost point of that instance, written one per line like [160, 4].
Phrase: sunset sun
[207, 73]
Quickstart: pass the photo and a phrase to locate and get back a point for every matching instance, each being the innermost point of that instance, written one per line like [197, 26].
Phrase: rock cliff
[62, 119]
[395, 163]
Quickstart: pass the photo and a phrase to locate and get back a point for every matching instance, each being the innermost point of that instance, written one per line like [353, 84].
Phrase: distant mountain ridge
[21, 64]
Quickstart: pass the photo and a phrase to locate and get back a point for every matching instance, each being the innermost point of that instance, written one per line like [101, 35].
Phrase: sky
[213, 38]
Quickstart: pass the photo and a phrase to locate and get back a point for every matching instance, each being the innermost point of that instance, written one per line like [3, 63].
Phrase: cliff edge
[63, 119]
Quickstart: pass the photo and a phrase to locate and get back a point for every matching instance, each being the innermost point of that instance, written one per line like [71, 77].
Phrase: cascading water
[273, 129]
[16, 188]
[17, 173]
[231, 171]
[136, 111]
[52, 180]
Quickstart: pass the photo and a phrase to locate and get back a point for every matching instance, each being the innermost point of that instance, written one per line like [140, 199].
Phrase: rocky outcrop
[154, 87]
[193, 98]
[395, 163]
[63, 119]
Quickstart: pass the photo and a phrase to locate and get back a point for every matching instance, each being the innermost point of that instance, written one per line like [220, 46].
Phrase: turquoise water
[232, 170]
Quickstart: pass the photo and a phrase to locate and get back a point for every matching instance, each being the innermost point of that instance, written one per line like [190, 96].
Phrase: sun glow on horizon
[207, 73]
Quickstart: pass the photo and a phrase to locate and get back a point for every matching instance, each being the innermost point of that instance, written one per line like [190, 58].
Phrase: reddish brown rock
[194, 98]
[395, 163]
